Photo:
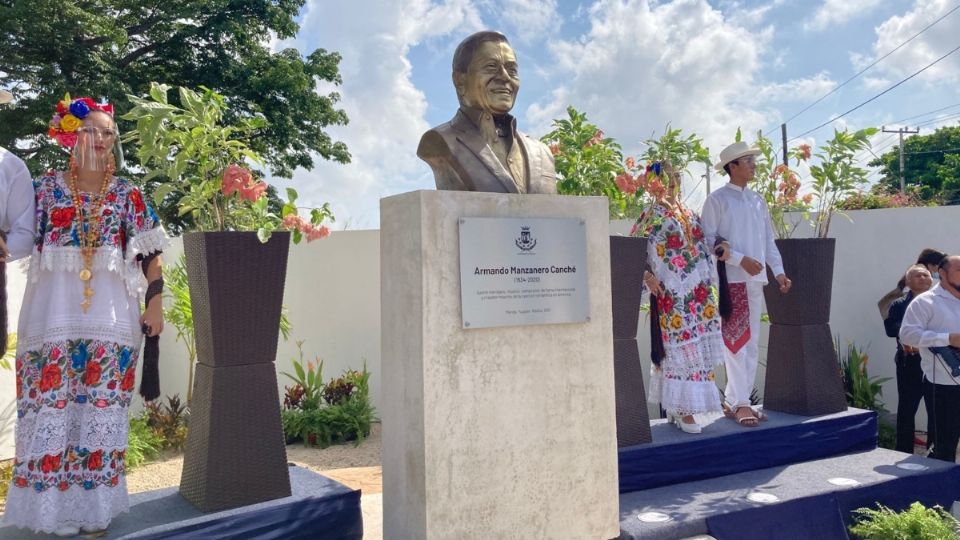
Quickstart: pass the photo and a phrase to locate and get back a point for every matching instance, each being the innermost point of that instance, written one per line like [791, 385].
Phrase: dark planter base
[235, 453]
[633, 421]
[803, 377]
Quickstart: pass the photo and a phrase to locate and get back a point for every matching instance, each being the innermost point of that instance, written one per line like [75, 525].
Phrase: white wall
[333, 299]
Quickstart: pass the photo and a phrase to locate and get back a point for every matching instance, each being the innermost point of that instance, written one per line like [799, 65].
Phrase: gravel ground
[165, 472]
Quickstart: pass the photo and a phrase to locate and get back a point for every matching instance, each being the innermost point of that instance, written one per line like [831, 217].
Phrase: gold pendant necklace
[88, 227]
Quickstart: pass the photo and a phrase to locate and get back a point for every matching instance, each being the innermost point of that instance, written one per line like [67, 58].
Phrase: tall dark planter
[628, 258]
[235, 453]
[802, 372]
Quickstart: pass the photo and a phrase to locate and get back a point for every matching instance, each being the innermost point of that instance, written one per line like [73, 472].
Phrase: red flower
[113, 481]
[92, 375]
[112, 196]
[50, 377]
[128, 380]
[686, 335]
[697, 233]
[62, 217]
[674, 241]
[701, 293]
[21, 481]
[55, 353]
[63, 486]
[665, 303]
[137, 199]
[111, 385]
[50, 463]
[95, 461]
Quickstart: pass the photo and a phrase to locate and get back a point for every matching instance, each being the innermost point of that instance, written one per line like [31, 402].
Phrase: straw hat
[734, 152]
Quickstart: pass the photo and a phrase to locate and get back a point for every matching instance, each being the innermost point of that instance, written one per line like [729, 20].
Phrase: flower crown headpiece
[69, 117]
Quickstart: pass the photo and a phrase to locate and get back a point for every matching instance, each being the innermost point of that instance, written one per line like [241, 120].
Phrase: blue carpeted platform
[319, 509]
[675, 457]
[809, 507]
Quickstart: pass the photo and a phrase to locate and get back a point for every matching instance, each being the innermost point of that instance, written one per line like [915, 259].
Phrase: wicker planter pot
[628, 258]
[808, 263]
[235, 453]
[803, 376]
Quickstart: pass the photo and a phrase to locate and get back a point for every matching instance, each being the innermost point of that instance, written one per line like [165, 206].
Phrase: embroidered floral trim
[101, 373]
[75, 467]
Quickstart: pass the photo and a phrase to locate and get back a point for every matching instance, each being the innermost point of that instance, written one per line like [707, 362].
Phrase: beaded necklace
[88, 226]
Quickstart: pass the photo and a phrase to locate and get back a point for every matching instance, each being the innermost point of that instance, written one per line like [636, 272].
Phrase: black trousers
[945, 400]
[909, 394]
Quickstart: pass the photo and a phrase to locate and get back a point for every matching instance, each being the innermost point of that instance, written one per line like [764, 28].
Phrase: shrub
[346, 416]
[915, 523]
[142, 442]
[169, 422]
[863, 391]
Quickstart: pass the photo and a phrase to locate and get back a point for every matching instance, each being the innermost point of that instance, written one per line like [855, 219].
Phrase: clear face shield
[97, 147]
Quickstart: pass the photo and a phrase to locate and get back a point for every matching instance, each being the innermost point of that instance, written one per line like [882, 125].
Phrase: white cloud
[386, 110]
[929, 46]
[876, 84]
[642, 65]
[527, 20]
[808, 89]
[838, 12]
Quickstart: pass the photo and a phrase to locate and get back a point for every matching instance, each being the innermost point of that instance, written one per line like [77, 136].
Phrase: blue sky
[631, 65]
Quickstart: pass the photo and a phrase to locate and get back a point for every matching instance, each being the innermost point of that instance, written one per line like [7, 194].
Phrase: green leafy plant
[643, 181]
[878, 197]
[6, 477]
[837, 174]
[915, 523]
[309, 376]
[142, 442]
[168, 421]
[345, 414]
[862, 390]
[10, 357]
[586, 162]
[192, 158]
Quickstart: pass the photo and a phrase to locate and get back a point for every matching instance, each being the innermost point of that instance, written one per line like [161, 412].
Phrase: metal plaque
[523, 271]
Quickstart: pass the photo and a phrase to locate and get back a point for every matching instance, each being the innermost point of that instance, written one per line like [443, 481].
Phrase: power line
[945, 151]
[832, 120]
[925, 114]
[939, 119]
[875, 62]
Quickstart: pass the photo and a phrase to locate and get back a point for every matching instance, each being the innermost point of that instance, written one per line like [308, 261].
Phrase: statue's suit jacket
[462, 160]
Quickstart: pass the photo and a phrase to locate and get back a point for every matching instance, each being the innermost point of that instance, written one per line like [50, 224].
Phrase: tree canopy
[931, 166]
[111, 48]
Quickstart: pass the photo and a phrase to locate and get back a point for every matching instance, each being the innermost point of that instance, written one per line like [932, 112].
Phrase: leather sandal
[746, 419]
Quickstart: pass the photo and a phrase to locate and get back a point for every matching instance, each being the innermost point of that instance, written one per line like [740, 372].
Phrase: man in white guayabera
[932, 324]
[740, 216]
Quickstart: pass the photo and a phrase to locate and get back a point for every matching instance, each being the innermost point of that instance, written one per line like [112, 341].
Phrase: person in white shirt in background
[17, 219]
[740, 216]
[17, 202]
[933, 320]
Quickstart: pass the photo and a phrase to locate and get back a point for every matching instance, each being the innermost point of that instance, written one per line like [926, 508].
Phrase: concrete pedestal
[491, 433]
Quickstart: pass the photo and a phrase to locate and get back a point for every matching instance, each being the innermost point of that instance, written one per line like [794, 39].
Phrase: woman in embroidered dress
[80, 331]
[683, 279]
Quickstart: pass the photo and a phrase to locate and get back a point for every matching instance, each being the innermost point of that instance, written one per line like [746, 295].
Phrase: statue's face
[491, 81]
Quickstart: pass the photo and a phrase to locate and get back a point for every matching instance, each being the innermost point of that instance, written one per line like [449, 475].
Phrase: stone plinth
[503, 432]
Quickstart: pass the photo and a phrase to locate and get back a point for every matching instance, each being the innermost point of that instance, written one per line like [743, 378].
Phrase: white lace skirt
[75, 379]
[685, 381]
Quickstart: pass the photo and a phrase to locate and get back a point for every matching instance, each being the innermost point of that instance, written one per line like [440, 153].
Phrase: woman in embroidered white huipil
[80, 332]
[684, 281]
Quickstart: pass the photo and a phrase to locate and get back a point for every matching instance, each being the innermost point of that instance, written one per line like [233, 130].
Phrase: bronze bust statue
[481, 148]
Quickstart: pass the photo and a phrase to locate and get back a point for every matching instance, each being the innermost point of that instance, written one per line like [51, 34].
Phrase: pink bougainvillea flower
[631, 163]
[555, 148]
[808, 198]
[254, 192]
[235, 178]
[293, 222]
[317, 233]
[805, 151]
[626, 183]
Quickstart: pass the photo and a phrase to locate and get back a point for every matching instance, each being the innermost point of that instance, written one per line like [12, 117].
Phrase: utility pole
[783, 133]
[901, 131]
